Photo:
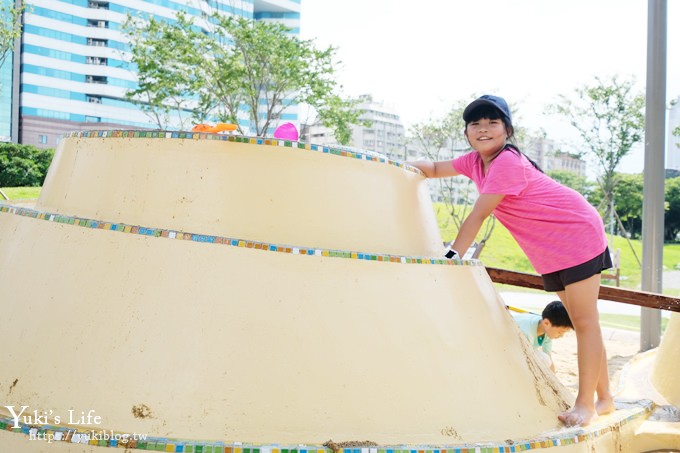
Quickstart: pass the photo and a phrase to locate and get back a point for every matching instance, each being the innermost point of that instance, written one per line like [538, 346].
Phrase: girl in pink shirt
[560, 232]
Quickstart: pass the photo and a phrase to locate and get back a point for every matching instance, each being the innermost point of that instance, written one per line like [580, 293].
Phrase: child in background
[560, 232]
[540, 330]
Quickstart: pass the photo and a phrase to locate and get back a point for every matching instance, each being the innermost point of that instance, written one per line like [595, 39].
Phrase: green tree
[167, 76]
[10, 29]
[628, 196]
[672, 215]
[443, 139]
[23, 165]
[609, 118]
[242, 68]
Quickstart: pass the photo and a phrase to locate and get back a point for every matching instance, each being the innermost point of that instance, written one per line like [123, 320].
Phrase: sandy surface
[621, 346]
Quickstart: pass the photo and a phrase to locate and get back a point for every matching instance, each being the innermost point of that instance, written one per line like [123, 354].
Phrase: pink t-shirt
[553, 224]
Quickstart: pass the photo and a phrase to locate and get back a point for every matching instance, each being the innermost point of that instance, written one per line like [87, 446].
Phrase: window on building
[97, 42]
[96, 79]
[42, 139]
[94, 99]
[97, 23]
[97, 60]
[97, 4]
[92, 119]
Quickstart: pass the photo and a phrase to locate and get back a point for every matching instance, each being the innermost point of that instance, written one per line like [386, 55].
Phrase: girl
[560, 232]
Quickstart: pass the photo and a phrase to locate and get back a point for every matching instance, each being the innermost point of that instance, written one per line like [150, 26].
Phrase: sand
[621, 346]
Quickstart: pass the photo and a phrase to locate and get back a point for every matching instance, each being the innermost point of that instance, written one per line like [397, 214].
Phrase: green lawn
[626, 322]
[21, 193]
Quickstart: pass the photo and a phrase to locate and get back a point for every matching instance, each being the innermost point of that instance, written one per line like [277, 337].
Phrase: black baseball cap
[491, 100]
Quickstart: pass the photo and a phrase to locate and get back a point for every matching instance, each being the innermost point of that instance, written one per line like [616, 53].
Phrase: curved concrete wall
[252, 345]
[276, 194]
[204, 337]
[666, 371]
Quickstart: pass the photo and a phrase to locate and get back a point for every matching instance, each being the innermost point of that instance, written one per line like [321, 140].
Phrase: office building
[545, 153]
[72, 72]
[673, 141]
[384, 135]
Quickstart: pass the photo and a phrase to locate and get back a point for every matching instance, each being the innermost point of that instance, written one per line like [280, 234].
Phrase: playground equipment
[198, 292]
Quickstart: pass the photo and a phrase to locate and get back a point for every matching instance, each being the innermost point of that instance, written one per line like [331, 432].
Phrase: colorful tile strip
[221, 240]
[58, 434]
[361, 155]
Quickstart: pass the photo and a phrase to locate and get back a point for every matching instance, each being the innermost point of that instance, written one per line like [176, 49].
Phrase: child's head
[556, 321]
[489, 107]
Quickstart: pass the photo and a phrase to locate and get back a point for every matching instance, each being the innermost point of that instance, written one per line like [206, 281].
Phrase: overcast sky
[418, 57]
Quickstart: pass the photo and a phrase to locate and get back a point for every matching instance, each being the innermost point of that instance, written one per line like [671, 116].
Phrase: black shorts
[556, 281]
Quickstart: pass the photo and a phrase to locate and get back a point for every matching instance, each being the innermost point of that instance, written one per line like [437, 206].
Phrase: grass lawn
[21, 193]
[626, 322]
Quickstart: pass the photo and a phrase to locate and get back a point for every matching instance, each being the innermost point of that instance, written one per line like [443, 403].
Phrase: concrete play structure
[205, 293]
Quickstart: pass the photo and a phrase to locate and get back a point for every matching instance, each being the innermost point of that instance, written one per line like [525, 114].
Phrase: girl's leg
[605, 400]
[580, 299]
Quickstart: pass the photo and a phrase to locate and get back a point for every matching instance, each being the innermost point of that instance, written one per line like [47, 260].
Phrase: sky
[420, 57]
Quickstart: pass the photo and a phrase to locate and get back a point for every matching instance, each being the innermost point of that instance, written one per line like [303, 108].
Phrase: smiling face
[487, 131]
[487, 136]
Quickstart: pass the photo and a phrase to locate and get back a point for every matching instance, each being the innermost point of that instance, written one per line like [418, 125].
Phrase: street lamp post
[653, 189]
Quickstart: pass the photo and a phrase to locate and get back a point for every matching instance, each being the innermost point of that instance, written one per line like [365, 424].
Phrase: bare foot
[577, 416]
[605, 406]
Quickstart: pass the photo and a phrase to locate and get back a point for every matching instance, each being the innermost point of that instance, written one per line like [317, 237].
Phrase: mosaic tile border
[221, 240]
[63, 434]
[368, 156]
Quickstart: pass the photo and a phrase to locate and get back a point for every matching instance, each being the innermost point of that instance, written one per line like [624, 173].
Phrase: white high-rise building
[673, 141]
[385, 135]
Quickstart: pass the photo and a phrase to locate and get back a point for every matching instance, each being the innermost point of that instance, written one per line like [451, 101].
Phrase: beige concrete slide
[214, 293]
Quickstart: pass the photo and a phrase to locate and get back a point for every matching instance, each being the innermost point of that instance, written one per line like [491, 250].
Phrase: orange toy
[219, 127]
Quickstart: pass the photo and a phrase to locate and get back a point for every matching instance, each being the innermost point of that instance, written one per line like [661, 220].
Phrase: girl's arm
[483, 207]
[440, 169]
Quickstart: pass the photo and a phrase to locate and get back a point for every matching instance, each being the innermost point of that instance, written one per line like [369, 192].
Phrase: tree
[672, 215]
[245, 68]
[443, 139]
[23, 165]
[609, 118]
[628, 195]
[167, 75]
[10, 29]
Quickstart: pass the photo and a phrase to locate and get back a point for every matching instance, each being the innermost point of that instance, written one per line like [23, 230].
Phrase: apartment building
[384, 135]
[673, 141]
